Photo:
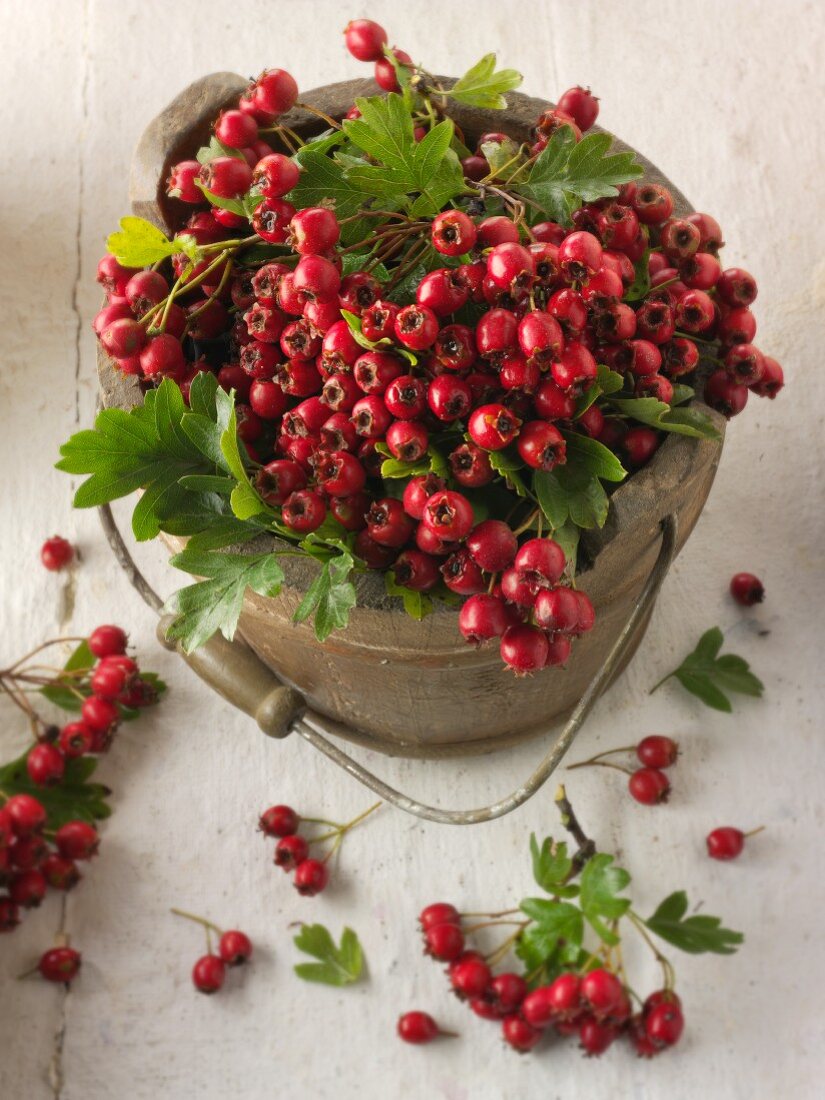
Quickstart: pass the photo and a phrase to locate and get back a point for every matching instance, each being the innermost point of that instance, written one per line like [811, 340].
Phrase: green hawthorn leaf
[696, 935]
[601, 883]
[565, 174]
[561, 923]
[552, 867]
[337, 966]
[501, 153]
[709, 676]
[215, 603]
[236, 206]
[681, 394]
[593, 456]
[509, 465]
[215, 149]
[61, 693]
[553, 499]
[607, 382]
[139, 243]
[641, 280]
[652, 411]
[323, 180]
[418, 605]
[330, 597]
[483, 86]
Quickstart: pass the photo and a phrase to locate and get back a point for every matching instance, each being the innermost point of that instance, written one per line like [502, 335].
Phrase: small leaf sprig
[708, 675]
[337, 965]
[570, 946]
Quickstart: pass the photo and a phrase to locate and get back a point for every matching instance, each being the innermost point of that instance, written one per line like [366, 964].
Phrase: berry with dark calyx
[358, 292]
[540, 337]
[519, 1034]
[60, 964]
[298, 341]
[679, 356]
[290, 851]
[580, 255]
[701, 271]
[497, 334]
[470, 978]
[311, 877]
[111, 677]
[27, 814]
[449, 398]
[470, 466]
[694, 311]
[653, 203]
[77, 840]
[416, 570]
[385, 76]
[482, 617]
[654, 385]
[540, 563]
[736, 287]
[378, 320]
[581, 105]
[575, 368]
[417, 1028]
[339, 473]
[365, 39]
[507, 992]
[453, 233]
[723, 394]
[649, 786]
[271, 222]
[144, 290]
[679, 239]
[260, 360]
[455, 347]
[56, 553]
[28, 888]
[235, 948]
[316, 279]
[736, 326]
[416, 327]
[462, 575]
[449, 515]
[550, 122]
[747, 589]
[406, 397]
[75, 740]
[595, 1037]
[444, 941]
[228, 177]
[541, 445]
[557, 610]
[388, 524]
[279, 821]
[113, 276]
[340, 392]
[375, 370]
[664, 1025]
[275, 175]
[276, 481]
[441, 292]
[657, 751]
[209, 973]
[493, 427]
[45, 765]
[60, 873]
[524, 649]
[655, 321]
[744, 364]
[304, 511]
[418, 491]
[569, 309]
[511, 267]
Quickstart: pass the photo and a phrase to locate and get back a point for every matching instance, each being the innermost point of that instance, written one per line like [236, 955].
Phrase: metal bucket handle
[236, 673]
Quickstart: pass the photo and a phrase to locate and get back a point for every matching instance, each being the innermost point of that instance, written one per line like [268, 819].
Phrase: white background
[726, 99]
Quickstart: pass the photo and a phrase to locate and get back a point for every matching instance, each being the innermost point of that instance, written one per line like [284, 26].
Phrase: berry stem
[320, 114]
[492, 916]
[668, 972]
[38, 649]
[207, 924]
[753, 832]
[495, 957]
[598, 764]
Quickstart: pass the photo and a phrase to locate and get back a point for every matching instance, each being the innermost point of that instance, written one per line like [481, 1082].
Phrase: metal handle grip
[239, 676]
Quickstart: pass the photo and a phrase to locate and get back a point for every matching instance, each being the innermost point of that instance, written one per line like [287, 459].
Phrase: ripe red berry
[26, 813]
[736, 287]
[416, 570]
[236, 129]
[726, 842]
[303, 511]
[580, 255]
[524, 649]
[444, 941]
[290, 851]
[595, 1036]
[772, 380]
[385, 76]
[45, 765]
[279, 821]
[470, 978]
[664, 1025]
[649, 786]
[519, 1034]
[60, 964]
[557, 610]
[493, 427]
[275, 92]
[28, 888]
[56, 553]
[449, 398]
[725, 395]
[581, 105]
[602, 991]
[235, 947]
[60, 873]
[314, 230]
[311, 877]
[492, 545]
[209, 973]
[77, 840]
[416, 327]
[453, 233]
[440, 912]
[657, 751]
[449, 515]
[747, 589]
[107, 641]
[417, 1028]
[388, 524]
[541, 445]
[482, 617]
[506, 992]
[100, 715]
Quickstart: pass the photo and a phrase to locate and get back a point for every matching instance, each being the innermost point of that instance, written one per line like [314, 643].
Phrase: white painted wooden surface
[724, 98]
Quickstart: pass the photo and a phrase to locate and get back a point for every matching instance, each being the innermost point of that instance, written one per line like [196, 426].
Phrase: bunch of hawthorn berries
[319, 413]
[593, 1005]
[34, 855]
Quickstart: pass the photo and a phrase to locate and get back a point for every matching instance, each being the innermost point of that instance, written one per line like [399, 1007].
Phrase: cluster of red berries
[114, 682]
[234, 949]
[292, 850]
[647, 784]
[593, 1005]
[56, 553]
[33, 859]
[319, 412]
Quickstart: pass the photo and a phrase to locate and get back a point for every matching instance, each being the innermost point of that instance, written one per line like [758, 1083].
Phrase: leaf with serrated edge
[139, 243]
[551, 866]
[329, 598]
[601, 883]
[481, 86]
[696, 935]
[337, 966]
